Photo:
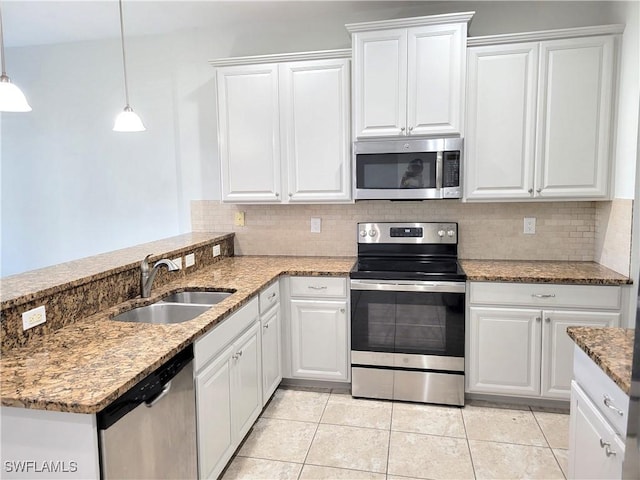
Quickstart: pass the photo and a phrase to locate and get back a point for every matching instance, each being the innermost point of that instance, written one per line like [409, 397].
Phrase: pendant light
[127, 120]
[11, 97]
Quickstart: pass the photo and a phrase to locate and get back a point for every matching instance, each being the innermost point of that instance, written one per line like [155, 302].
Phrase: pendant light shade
[11, 97]
[127, 120]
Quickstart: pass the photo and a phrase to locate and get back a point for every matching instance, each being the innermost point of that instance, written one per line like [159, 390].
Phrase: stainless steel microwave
[407, 169]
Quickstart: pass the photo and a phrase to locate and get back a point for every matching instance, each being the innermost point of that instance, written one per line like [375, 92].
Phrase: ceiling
[30, 22]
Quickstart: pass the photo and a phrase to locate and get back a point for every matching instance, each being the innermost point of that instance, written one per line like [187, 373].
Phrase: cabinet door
[435, 79]
[249, 133]
[213, 399]
[557, 347]
[319, 339]
[271, 353]
[501, 121]
[504, 351]
[574, 118]
[315, 105]
[246, 392]
[595, 451]
[380, 83]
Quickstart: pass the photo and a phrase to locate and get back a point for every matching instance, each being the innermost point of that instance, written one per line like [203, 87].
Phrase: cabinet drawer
[269, 297]
[208, 346]
[544, 295]
[318, 287]
[600, 388]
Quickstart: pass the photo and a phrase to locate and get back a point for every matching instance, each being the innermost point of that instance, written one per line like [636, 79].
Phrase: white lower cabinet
[319, 328]
[228, 387]
[526, 351]
[597, 426]
[270, 321]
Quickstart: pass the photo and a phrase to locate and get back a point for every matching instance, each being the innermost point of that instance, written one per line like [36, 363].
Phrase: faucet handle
[144, 264]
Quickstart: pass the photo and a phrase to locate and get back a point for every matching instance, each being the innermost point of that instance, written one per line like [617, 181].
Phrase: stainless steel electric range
[408, 313]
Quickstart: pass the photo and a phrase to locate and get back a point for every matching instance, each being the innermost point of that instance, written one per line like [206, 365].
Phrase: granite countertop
[83, 367]
[584, 273]
[610, 348]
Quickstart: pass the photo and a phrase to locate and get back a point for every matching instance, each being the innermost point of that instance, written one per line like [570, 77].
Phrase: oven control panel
[422, 233]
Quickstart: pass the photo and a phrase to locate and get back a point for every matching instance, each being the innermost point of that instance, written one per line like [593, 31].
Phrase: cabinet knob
[547, 319]
[266, 327]
[607, 448]
[272, 296]
[530, 191]
[342, 310]
[538, 190]
[277, 194]
[411, 129]
[290, 195]
[402, 130]
[538, 319]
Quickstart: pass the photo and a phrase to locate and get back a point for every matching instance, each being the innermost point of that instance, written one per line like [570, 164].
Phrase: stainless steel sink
[196, 297]
[162, 313]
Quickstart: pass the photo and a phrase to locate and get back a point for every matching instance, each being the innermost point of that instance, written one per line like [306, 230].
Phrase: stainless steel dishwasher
[150, 431]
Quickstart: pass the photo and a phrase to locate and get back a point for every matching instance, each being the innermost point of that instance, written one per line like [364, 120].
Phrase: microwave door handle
[439, 170]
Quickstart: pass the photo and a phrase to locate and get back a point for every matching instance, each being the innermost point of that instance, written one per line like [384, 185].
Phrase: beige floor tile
[555, 427]
[428, 419]
[563, 459]
[429, 456]
[275, 439]
[257, 468]
[315, 472]
[397, 477]
[493, 460]
[509, 426]
[343, 409]
[350, 447]
[303, 405]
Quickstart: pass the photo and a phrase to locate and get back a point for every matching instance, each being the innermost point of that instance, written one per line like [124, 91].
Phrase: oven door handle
[425, 287]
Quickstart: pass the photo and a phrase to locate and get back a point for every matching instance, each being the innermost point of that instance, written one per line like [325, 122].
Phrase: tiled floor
[323, 434]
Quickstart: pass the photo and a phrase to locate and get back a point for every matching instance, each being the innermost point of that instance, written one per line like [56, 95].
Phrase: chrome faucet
[147, 274]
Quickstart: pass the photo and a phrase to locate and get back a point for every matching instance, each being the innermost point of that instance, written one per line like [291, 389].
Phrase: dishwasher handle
[165, 391]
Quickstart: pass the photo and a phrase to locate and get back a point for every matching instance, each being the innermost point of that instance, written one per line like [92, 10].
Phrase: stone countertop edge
[83, 367]
[98, 266]
[611, 348]
[541, 271]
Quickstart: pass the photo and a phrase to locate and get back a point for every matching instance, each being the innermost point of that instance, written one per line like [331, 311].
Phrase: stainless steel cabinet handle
[272, 296]
[161, 395]
[609, 404]
[607, 448]
[313, 287]
[543, 295]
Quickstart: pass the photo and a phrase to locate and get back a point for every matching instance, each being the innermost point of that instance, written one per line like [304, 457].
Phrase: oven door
[414, 318]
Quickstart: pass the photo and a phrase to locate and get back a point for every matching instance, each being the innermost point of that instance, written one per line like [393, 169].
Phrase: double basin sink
[174, 308]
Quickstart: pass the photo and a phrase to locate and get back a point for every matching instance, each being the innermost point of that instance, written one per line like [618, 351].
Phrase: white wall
[71, 187]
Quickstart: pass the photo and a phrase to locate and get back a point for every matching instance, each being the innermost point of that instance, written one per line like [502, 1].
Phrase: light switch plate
[178, 262]
[316, 225]
[33, 317]
[529, 225]
[190, 260]
[216, 250]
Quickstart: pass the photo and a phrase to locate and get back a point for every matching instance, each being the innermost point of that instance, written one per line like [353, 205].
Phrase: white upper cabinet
[574, 119]
[539, 116]
[284, 128]
[501, 114]
[315, 129]
[249, 132]
[409, 76]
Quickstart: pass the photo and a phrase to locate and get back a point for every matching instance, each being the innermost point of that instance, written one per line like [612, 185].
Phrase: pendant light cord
[124, 61]
[4, 73]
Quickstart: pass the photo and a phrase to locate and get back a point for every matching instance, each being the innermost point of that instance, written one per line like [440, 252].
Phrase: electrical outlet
[178, 262]
[190, 260]
[238, 219]
[33, 317]
[529, 225]
[216, 250]
[316, 225]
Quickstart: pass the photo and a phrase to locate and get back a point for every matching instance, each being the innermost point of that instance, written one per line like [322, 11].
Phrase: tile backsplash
[564, 230]
[613, 234]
